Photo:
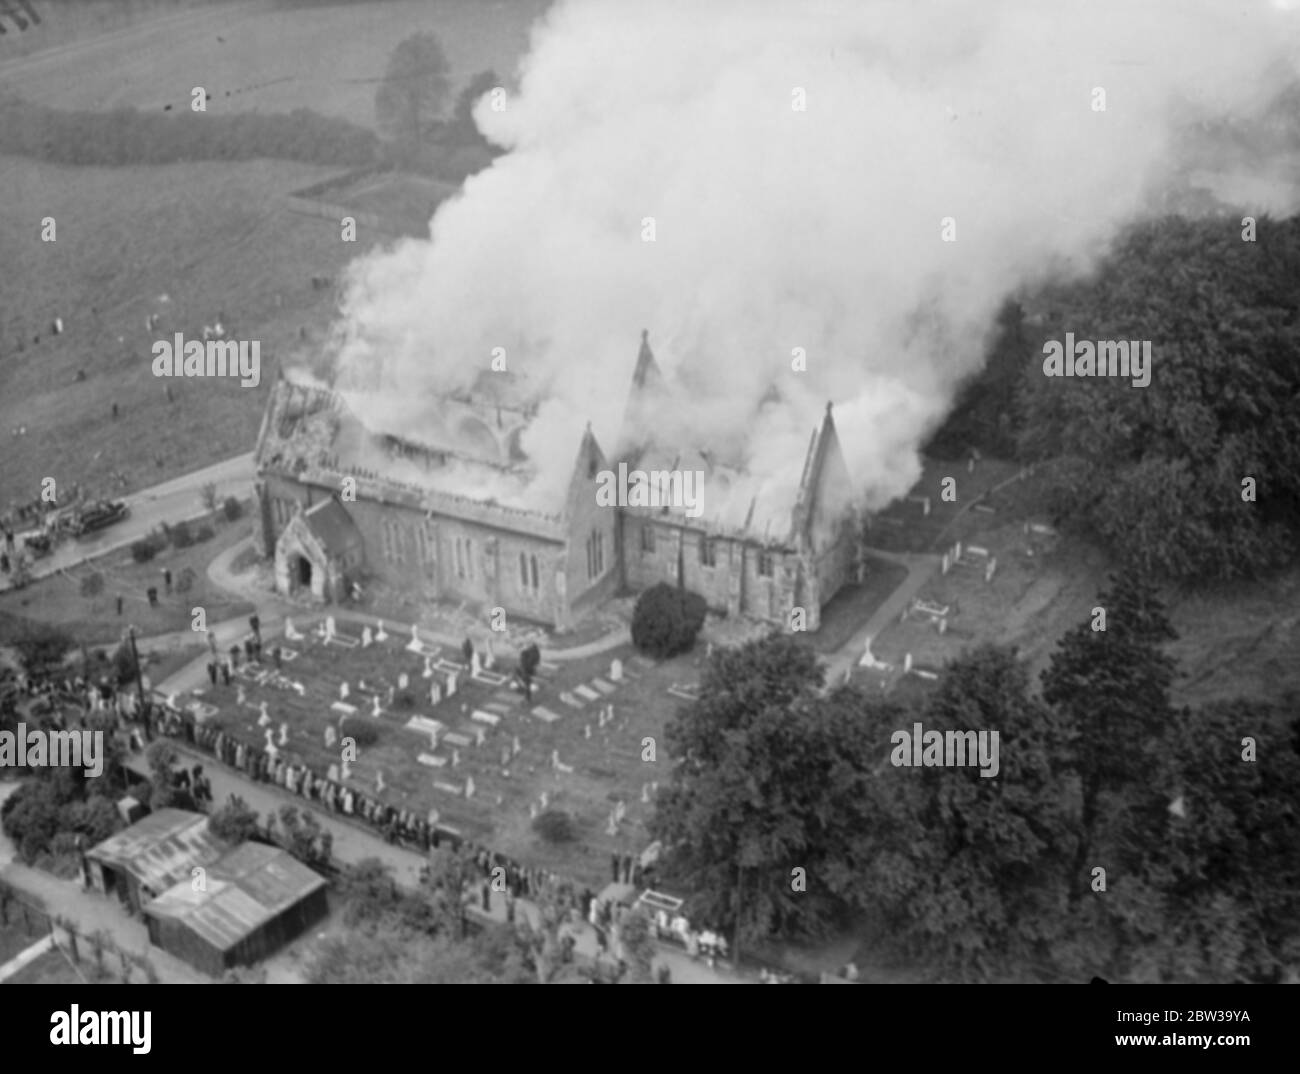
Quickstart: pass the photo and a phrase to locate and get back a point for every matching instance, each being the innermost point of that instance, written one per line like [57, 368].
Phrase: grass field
[607, 767]
[51, 968]
[257, 57]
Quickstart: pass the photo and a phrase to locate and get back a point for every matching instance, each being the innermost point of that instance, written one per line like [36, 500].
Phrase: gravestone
[480, 735]
[381, 634]
[333, 772]
[428, 666]
[343, 691]
[586, 731]
[367, 638]
[265, 717]
[329, 627]
[403, 681]
[455, 758]
[475, 664]
[374, 707]
[515, 746]
[331, 737]
[616, 670]
[469, 787]
[284, 732]
[451, 685]
[645, 794]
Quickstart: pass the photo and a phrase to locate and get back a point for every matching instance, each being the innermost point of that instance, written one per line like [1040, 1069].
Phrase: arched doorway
[301, 572]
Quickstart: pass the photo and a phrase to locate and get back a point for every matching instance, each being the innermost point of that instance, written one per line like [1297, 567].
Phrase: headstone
[347, 770]
[428, 666]
[403, 681]
[612, 827]
[284, 732]
[241, 696]
[480, 735]
[489, 658]
[379, 782]
[586, 731]
[455, 758]
[265, 717]
[555, 758]
[532, 810]
[374, 706]
[505, 756]
[291, 632]
[451, 685]
[907, 663]
[991, 569]
[270, 748]
[645, 793]
[329, 627]
[381, 634]
[367, 638]
[515, 747]
[616, 670]
[469, 787]
[545, 799]
[343, 691]
[945, 563]
[475, 663]
[333, 772]
[620, 811]
[435, 692]
[331, 737]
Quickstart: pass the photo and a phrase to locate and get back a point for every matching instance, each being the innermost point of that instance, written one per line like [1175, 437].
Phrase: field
[255, 57]
[213, 238]
[607, 767]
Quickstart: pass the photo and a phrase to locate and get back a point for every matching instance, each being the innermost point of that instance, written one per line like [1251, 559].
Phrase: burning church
[339, 499]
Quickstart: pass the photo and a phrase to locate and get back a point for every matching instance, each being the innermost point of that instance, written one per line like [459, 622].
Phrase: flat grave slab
[498, 707]
[451, 788]
[425, 726]
[432, 760]
[687, 692]
[448, 666]
[571, 701]
[604, 687]
[583, 690]
[505, 697]
[489, 718]
[545, 714]
[343, 641]
[457, 739]
[491, 677]
[344, 707]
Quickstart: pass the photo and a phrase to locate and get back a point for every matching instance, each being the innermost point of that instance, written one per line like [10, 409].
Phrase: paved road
[172, 501]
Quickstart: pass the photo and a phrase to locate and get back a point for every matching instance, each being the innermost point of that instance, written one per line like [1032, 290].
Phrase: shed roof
[246, 888]
[160, 849]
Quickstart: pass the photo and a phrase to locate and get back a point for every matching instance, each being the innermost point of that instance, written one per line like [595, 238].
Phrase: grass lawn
[57, 599]
[607, 767]
[14, 938]
[853, 605]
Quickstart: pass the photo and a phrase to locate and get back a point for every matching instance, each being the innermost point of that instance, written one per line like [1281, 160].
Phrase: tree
[974, 886]
[166, 794]
[303, 836]
[769, 812]
[414, 90]
[208, 493]
[638, 946]
[42, 649]
[1111, 690]
[666, 620]
[530, 659]
[1214, 893]
[234, 822]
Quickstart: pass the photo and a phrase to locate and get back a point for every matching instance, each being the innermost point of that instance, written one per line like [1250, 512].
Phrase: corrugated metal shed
[161, 849]
[245, 890]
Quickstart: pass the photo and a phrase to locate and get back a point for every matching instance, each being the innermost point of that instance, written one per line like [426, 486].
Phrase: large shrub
[555, 826]
[363, 732]
[666, 620]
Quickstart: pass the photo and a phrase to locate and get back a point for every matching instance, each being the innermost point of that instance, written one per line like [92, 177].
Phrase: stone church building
[548, 567]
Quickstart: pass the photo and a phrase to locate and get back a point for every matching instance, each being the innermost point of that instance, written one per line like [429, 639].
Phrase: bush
[555, 826]
[185, 580]
[363, 732]
[181, 536]
[232, 509]
[124, 664]
[42, 648]
[204, 533]
[143, 550]
[92, 585]
[666, 620]
[404, 700]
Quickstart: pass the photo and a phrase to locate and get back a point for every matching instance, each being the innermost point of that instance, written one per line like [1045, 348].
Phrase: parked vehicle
[97, 516]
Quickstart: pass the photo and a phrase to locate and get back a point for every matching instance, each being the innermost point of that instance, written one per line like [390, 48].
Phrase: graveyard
[435, 733]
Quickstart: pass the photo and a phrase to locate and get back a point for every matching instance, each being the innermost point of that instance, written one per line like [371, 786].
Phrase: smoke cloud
[777, 228]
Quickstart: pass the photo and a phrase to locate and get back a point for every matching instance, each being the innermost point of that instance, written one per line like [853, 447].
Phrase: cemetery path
[920, 569]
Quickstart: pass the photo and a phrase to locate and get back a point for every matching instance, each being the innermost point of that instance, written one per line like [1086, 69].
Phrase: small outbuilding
[142, 861]
[250, 902]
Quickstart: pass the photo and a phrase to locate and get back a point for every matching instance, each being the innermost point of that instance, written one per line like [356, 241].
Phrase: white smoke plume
[778, 228]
